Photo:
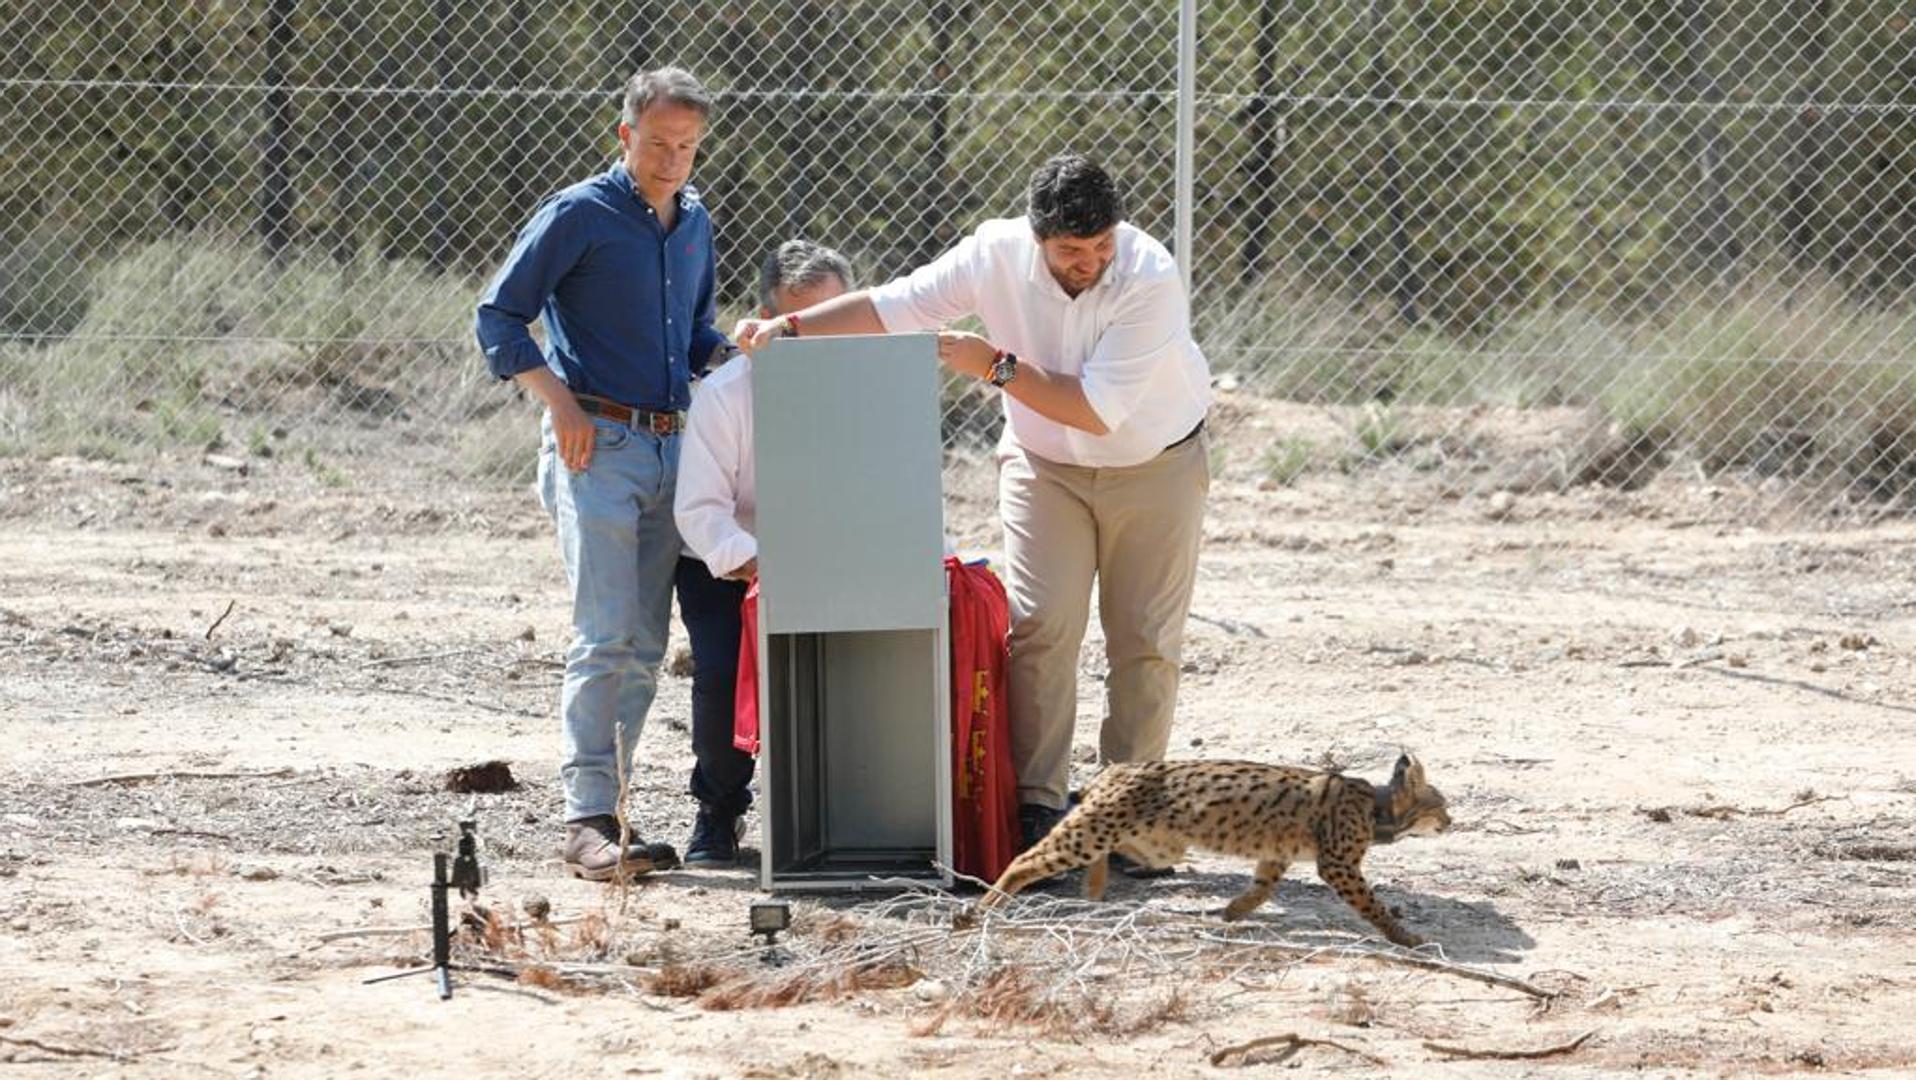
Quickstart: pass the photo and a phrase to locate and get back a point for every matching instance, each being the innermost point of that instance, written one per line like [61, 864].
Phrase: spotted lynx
[1152, 812]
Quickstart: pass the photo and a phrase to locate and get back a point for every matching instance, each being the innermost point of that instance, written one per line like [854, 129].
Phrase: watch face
[1004, 370]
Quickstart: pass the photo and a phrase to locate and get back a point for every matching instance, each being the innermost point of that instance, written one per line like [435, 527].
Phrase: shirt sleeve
[549, 246]
[706, 335]
[1152, 330]
[706, 502]
[938, 293]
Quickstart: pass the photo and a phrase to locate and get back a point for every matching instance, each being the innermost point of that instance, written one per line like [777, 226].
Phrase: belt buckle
[663, 423]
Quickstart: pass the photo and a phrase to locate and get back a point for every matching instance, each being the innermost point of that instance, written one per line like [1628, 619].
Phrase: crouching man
[714, 506]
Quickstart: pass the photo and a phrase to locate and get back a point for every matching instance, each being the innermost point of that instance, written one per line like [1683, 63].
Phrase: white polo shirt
[1128, 337]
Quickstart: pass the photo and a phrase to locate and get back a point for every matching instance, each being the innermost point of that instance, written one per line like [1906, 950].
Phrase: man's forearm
[850, 313]
[1055, 397]
[551, 391]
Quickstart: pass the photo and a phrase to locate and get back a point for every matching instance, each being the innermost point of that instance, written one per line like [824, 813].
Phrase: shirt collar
[624, 178]
[1038, 274]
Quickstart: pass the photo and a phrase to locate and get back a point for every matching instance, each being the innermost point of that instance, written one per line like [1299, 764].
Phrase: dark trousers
[710, 609]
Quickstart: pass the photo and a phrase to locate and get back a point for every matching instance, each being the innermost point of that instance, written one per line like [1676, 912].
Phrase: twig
[1643, 662]
[401, 931]
[1509, 1055]
[221, 619]
[1797, 805]
[1292, 1043]
[1402, 959]
[420, 658]
[79, 1051]
[140, 778]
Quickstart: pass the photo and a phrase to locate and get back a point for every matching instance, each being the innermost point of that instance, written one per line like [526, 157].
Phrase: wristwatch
[1003, 370]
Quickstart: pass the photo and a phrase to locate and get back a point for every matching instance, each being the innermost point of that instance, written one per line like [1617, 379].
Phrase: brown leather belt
[658, 423]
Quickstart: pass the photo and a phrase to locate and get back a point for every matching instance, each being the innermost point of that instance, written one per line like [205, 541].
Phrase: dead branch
[1797, 805]
[221, 619]
[141, 778]
[401, 931]
[1292, 1043]
[79, 1051]
[1508, 1055]
[418, 658]
[1402, 959]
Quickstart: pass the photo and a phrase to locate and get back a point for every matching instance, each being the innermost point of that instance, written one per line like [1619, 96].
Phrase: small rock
[528, 634]
[340, 629]
[1687, 638]
[538, 907]
[1569, 864]
[1819, 667]
[1197, 740]
[671, 924]
[256, 873]
[1502, 504]
[230, 464]
[679, 666]
[1659, 814]
[216, 530]
[930, 991]
[1856, 642]
[1738, 660]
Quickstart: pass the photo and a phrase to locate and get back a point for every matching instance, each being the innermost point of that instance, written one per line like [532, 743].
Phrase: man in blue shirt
[622, 270]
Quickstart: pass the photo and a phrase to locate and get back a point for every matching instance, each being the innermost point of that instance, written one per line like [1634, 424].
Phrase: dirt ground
[1679, 749]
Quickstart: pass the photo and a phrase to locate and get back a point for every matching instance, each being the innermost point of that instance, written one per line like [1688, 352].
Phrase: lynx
[1153, 812]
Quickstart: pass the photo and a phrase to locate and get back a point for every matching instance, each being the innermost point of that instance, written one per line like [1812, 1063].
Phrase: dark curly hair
[1070, 195]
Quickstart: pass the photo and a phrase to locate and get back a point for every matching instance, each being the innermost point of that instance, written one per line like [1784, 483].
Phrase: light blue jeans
[620, 547]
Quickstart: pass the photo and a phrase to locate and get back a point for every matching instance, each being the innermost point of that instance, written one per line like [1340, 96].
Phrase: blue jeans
[620, 547]
[709, 607]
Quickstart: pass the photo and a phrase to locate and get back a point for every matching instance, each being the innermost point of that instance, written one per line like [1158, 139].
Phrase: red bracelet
[791, 326]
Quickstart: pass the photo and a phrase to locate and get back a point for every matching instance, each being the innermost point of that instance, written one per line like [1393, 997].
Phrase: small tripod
[459, 871]
[466, 875]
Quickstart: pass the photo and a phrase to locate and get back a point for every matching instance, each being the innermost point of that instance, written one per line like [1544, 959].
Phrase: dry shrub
[685, 980]
[803, 987]
[545, 978]
[592, 934]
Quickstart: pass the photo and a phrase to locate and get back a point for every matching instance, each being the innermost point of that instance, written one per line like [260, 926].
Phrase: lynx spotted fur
[1153, 812]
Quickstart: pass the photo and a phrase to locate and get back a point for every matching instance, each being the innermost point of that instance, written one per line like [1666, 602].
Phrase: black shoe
[1034, 821]
[1136, 870]
[714, 843]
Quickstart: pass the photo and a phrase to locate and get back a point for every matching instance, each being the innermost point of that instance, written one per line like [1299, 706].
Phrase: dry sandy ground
[1679, 753]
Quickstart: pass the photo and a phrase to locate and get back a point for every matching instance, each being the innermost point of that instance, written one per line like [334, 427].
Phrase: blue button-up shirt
[628, 306]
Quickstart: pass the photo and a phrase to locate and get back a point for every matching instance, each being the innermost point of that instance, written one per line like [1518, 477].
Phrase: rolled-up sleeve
[934, 295]
[705, 504]
[549, 246]
[1152, 330]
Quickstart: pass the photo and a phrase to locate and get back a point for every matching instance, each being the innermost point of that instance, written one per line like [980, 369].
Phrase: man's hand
[746, 572]
[571, 427]
[966, 354]
[751, 335]
[574, 431]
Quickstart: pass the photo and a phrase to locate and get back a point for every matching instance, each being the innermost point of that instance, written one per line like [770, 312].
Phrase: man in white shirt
[715, 508]
[1103, 470]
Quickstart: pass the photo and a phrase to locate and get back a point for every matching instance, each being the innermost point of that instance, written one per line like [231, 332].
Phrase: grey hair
[664, 86]
[797, 264]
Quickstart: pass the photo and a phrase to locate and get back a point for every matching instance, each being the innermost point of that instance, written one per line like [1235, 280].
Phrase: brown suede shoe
[592, 850]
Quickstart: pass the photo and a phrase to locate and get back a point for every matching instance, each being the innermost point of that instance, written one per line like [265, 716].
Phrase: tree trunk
[438, 180]
[1801, 224]
[276, 145]
[1710, 227]
[1402, 274]
[1265, 119]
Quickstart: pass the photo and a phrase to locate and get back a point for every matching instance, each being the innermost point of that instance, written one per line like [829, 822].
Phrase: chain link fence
[1501, 245]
